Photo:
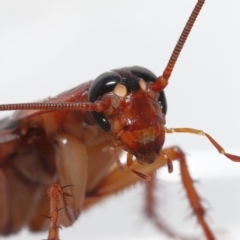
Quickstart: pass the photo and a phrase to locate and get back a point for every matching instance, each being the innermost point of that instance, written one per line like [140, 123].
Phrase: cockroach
[33, 137]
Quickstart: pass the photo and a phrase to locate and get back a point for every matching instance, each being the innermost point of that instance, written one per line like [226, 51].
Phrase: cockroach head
[136, 115]
[121, 81]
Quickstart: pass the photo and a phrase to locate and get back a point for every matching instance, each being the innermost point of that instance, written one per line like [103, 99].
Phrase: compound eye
[103, 84]
[163, 101]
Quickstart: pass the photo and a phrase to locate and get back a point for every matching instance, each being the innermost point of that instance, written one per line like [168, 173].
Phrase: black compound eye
[103, 84]
[143, 73]
[163, 101]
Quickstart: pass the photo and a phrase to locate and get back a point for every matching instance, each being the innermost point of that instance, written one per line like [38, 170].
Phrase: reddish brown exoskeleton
[128, 109]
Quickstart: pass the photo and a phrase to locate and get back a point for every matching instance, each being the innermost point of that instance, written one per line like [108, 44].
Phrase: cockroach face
[137, 122]
[136, 116]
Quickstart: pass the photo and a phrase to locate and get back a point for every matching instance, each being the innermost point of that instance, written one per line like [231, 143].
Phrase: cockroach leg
[176, 153]
[55, 194]
[220, 149]
[150, 210]
[58, 202]
[4, 211]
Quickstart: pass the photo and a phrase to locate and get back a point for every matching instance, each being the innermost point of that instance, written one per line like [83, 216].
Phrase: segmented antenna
[162, 81]
[157, 86]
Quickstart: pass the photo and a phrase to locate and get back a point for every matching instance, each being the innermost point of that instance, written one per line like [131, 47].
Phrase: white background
[47, 47]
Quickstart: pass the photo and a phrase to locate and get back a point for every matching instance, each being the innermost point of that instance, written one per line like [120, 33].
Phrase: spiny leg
[58, 202]
[150, 210]
[220, 149]
[55, 194]
[176, 153]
